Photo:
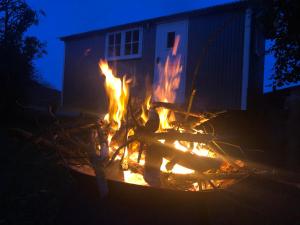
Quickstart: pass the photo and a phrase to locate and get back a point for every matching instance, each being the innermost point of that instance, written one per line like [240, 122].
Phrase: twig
[118, 151]
[190, 104]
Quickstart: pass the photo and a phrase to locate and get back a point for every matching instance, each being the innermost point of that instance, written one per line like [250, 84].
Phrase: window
[114, 44]
[132, 42]
[125, 44]
[170, 39]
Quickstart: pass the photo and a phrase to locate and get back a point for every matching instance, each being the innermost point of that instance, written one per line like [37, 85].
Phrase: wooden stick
[98, 166]
[190, 104]
[172, 136]
[186, 159]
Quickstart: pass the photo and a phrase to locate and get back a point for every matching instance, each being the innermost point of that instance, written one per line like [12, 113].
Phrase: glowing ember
[134, 178]
[177, 169]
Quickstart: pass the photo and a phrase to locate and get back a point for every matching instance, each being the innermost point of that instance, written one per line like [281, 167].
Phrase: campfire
[155, 142]
[150, 141]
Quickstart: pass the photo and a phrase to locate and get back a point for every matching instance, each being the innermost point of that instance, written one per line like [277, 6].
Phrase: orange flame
[146, 106]
[169, 80]
[165, 91]
[118, 94]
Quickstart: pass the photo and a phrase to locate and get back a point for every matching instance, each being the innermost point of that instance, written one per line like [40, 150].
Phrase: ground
[37, 189]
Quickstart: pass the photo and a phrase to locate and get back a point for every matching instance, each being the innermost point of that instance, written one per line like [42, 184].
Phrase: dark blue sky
[66, 17]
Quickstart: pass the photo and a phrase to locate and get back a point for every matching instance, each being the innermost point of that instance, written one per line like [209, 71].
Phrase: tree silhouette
[17, 51]
[281, 22]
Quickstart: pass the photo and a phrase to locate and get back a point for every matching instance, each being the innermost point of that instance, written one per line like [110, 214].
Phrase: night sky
[65, 17]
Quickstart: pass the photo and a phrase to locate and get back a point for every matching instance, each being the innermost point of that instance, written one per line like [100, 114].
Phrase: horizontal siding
[83, 84]
[82, 81]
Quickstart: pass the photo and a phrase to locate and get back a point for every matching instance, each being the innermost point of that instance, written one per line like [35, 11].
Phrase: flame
[146, 106]
[201, 150]
[117, 90]
[118, 94]
[134, 178]
[169, 80]
[177, 169]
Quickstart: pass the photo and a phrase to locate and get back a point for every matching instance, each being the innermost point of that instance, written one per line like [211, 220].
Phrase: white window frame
[122, 53]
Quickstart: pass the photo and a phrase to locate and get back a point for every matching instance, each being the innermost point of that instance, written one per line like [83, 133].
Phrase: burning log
[153, 161]
[186, 159]
[209, 176]
[153, 158]
[175, 108]
[173, 136]
[152, 124]
[104, 149]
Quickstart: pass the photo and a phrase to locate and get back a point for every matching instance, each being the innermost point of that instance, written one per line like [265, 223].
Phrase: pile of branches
[82, 141]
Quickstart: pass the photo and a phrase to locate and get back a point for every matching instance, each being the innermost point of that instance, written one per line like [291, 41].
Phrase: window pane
[111, 39]
[135, 48]
[110, 51]
[117, 50]
[128, 36]
[118, 39]
[136, 35]
[170, 39]
[127, 49]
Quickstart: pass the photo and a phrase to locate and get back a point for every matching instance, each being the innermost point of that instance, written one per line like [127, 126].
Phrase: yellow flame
[179, 146]
[117, 91]
[177, 169]
[200, 150]
[146, 106]
[134, 178]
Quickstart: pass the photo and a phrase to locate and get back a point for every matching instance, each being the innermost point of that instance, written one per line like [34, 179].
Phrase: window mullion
[122, 44]
[114, 45]
[131, 43]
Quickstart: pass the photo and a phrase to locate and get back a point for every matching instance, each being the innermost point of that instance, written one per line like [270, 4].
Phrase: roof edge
[201, 11]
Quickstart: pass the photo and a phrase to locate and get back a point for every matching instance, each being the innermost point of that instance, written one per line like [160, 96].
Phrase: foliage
[17, 51]
[281, 22]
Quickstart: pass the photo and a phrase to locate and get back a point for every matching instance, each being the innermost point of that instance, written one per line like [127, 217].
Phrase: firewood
[177, 109]
[173, 135]
[153, 161]
[199, 138]
[102, 139]
[119, 149]
[184, 158]
[191, 161]
[210, 176]
[98, 166]
[61, 150]
[190, 104]
[152, 124]
[39, 140]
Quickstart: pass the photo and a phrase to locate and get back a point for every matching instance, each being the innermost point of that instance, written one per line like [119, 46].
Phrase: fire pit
[150, 141]
[154, 142]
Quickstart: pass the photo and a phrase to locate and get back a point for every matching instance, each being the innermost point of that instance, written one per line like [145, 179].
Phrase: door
[165, 39]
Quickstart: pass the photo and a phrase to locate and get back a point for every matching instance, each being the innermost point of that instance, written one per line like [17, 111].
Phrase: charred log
[195, 162]
[153, 161]
[184, 158]
[98, 166]
[148, 137]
